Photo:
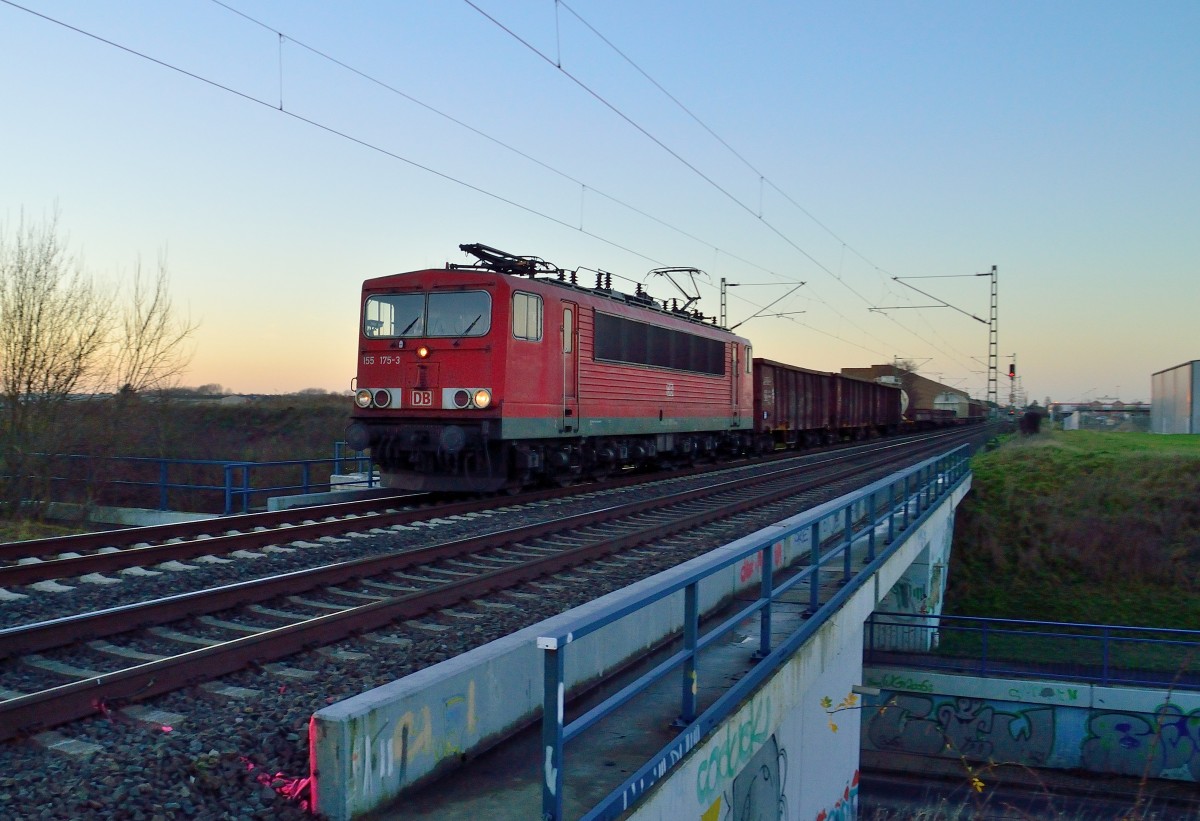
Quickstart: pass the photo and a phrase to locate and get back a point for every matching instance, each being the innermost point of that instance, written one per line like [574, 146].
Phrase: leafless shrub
[63, 335]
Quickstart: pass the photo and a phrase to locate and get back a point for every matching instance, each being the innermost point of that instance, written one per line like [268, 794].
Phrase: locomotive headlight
[362, 397]
[461, 398]
[483, 398]
[422, 352]
[383, 398]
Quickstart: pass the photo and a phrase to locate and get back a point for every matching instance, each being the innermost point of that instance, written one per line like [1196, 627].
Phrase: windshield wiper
[466, 331]
[408, 327]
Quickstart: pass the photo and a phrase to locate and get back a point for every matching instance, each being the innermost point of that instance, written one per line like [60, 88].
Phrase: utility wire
[443, 175]
[883, 273]
[780, 234]
[494, 140]
[331, 130]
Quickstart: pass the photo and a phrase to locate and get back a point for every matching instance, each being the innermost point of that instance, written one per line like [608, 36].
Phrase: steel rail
[333, 520]
[31, 712]
[98, 624]
[80, 542]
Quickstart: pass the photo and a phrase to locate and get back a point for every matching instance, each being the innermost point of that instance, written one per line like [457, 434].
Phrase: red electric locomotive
[494, 375]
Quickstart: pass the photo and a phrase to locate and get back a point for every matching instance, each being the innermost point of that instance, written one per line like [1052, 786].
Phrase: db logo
[422, 399]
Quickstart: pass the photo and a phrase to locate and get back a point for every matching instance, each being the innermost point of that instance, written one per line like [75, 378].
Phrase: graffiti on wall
[730, 752]
[1162, 744]
[846, 808]
[970, 727]
[751, 566]
[906, 597]
[394, 748]
[757, 792]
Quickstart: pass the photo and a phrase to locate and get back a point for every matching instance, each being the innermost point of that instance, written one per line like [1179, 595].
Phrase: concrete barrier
[368, 749]
[130, 516]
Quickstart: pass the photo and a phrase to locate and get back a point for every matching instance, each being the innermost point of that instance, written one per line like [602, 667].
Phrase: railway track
[83, 555]
[147, 651]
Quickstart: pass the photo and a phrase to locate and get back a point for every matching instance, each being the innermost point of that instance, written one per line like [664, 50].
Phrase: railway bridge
[735, 686]
[703, 685]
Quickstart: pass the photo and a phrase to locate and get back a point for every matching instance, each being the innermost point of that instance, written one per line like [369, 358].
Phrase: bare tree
[62, 336]
[152, 350]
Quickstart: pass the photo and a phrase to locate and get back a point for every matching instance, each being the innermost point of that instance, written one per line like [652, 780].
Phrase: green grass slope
[1082, 526]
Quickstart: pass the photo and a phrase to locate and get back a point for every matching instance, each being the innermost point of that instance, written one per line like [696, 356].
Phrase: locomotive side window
[527, 316]
[394, 315]
[638, 343]
[568, 330]
[460, 313]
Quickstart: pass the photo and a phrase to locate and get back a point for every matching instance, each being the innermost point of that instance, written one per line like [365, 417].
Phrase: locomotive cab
[426, 352]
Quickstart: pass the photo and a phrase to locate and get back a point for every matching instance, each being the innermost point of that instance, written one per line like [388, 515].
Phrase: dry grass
[262, 430]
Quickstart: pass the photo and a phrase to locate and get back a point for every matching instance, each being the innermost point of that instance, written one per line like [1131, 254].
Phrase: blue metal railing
[1108, 655]
[230, 483]
[895, 506]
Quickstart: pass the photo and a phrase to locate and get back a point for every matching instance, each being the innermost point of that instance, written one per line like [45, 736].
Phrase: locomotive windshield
[440, 313]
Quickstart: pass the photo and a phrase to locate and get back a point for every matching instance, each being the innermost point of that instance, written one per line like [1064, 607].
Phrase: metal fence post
[872, 522]
[984, 661]
[162, 484]
[1105, 657]
[766, 589]
[891, 513]
[814, 561]
[228, 489]
[552, 733]
[848, 533]
[691, 634]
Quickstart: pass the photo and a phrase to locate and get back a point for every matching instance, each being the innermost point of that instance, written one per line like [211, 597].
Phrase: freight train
[507, 372]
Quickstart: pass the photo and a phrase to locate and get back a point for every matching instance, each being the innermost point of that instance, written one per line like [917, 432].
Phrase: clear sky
[839, 144]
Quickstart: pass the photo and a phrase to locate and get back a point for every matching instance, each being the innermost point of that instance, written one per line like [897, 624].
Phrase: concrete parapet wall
[1127, 731]
[366, 751]
[370, 748]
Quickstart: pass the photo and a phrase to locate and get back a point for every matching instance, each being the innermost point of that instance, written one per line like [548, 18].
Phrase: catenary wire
[505, 200]
[771, 227]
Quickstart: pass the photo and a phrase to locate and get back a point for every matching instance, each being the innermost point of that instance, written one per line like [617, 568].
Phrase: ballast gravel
[246, 757]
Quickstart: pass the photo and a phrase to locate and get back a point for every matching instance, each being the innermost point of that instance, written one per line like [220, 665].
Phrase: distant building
[1173, 395]
[925, 394]
[1117, 417]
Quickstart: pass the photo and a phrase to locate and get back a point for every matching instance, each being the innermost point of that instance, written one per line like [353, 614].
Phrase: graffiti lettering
[846, 809]
[669, 758]
[1164, 745]
[413, 737]
[731, 750]
[963, 727]
[891, 681]
[1063, 693]
[752, 565]
[372, 761]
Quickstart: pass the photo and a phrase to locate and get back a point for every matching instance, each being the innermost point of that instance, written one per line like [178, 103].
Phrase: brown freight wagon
[799, 407]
